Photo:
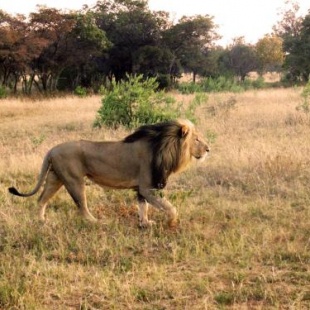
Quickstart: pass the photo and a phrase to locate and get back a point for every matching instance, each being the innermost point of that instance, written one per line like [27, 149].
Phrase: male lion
[142, 161]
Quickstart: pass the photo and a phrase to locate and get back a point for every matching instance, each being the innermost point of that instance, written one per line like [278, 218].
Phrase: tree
[54, 27]
[289, 26]
[129, 25]
[212, 68]
[74, 40]
[297, 61]
[294, 31]
[12, 33]
[270, 53]
[19, 45]
[239, 59]
[84, 44]
[151, 60]
[188, 41]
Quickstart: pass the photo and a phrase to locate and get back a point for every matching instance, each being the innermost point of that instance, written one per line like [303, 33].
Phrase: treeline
[53, 50]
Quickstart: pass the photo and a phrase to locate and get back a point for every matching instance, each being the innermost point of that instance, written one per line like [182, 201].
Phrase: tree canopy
[53, 49]
[295, 33]
[59, 50]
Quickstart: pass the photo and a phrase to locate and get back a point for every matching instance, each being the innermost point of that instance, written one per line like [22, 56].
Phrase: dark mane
[151, 132]
[166, 142]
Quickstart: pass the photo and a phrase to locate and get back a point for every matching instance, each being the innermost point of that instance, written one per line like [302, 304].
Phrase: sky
[251, 19]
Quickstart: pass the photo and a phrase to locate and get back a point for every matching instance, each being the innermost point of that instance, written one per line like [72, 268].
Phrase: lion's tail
[44, 170]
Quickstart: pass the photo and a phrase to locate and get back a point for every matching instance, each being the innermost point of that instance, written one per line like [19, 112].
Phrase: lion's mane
[169, 148]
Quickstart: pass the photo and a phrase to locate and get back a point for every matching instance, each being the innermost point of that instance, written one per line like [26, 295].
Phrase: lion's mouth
[200, 157]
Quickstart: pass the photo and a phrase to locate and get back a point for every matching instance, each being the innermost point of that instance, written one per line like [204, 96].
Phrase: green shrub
[134, 102]
[164, 81]
[220, 84]
[80, 91]
[305, 105]
[259, 83]
[198, 100]
[3, 92]
[189, 88]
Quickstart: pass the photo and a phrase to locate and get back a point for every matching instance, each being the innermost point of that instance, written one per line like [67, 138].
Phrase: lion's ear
[184, 131]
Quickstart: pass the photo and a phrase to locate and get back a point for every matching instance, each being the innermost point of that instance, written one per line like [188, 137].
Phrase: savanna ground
[243, 241]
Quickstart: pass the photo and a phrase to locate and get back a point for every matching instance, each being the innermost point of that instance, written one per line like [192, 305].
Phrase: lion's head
[173, 144]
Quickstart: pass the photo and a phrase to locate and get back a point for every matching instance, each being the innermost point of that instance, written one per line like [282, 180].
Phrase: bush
[220, 84]
[305, 105]
[80, 91]
[259, 83]
[164, 81]
[189, 88]
[3, 92]
[134, 102]
[210, 84]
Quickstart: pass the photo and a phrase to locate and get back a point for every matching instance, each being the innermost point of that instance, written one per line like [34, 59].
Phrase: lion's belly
[121, 183]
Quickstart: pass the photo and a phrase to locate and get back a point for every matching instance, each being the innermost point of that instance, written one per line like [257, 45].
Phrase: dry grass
[243, 239]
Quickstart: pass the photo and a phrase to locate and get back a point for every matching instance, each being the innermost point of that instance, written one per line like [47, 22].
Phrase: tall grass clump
[135, 101]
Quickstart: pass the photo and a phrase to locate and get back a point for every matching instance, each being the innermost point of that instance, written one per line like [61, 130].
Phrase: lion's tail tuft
[14, 191]
[44, 170]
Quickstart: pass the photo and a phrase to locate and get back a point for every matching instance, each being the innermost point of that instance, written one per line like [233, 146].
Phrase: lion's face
[199, 148]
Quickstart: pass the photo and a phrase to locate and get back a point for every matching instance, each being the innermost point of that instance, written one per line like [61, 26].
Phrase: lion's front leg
[159, 203]
[143, 216]
[143, 212]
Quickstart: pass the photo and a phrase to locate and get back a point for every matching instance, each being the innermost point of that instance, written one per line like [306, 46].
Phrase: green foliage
[164, 81]
[38, 140]
[259, 83]
[224, 298]
[238, 60]
[135, 101]
[305, 105]
[295, 32]
[270, 53]
[188, 40]
[80, 91]
[198, 100]
[189, 88]
[221, 84]
[3, 92]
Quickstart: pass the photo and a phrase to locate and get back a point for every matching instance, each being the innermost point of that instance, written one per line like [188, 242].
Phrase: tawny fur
[143, 161]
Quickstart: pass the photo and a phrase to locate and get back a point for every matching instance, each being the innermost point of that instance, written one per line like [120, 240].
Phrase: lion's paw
[146, 224]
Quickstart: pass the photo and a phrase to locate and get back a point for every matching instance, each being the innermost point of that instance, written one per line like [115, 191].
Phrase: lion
[142, 161]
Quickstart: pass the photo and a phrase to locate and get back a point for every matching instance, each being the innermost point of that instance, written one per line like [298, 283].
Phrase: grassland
[243, 241]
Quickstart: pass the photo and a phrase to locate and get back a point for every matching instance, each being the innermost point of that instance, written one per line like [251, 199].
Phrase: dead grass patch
[243, 238]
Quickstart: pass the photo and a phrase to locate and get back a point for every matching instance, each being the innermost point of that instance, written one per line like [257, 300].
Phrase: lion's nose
[207, 149]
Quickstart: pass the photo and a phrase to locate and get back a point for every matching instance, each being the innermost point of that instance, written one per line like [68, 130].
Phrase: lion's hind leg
[76, 189]
[51, 186]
